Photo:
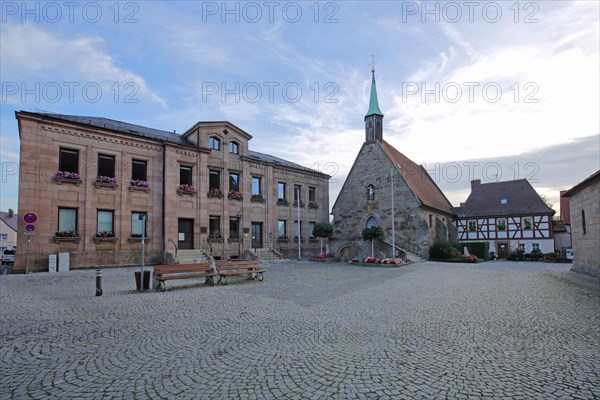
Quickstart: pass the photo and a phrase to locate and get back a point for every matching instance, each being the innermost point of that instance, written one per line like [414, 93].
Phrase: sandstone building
[584, 207]
[96, 184]
[421, 212]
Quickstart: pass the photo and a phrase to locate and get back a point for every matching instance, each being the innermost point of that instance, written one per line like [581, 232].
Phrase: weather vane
[372, 62]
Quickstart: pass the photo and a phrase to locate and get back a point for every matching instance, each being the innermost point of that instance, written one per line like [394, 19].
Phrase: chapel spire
[374, 117]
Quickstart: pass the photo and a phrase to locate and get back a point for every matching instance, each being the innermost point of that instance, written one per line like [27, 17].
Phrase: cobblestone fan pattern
[309, 331]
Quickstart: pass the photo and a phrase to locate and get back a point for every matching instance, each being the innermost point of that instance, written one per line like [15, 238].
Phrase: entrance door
[502, 248]
[185, 233]
[257, 235]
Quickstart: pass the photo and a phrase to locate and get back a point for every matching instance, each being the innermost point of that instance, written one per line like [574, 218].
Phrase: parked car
[8, 256]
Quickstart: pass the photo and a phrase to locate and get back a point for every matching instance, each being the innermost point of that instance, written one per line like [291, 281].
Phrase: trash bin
[146, 279]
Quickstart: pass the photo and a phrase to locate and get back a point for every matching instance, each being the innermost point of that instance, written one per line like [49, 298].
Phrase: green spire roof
[373, 102]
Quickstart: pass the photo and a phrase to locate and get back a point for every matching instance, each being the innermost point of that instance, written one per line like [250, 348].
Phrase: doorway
[185, 233]
[502, 248]
[257, 235]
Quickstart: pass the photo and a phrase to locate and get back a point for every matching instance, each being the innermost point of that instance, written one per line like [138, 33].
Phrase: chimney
[475, 182]
[565, 212]
[11, 213]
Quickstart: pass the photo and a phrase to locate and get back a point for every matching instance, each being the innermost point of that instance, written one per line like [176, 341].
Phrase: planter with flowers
[186, 189]
[139, 185]
[283, 239]
[257, 198]
[215, 237]
[215, 193]
[301, 204]
[379, 262]
[323, 257]
[313, 204]
[234, 195]
[105, 237]
[283, 202]
[106, 181]
[67, 177]
[66, 236]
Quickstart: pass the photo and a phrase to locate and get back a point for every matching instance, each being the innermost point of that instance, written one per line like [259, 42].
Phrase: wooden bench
[164, 273]
[229, 268]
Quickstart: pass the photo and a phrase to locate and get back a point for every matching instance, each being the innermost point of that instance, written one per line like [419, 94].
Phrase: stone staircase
[186, 257]
[266, 254]
[410, 250]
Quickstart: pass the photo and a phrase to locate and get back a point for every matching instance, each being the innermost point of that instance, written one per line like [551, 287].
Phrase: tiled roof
[485, 199]
[419, 181]
[582, 184]
[121, 127]
[11, 222]
[280, 161]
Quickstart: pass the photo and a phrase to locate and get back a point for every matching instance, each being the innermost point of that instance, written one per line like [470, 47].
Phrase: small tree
[373, 233]
[323, 230]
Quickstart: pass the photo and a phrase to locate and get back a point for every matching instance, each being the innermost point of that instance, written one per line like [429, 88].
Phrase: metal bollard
[98, 282]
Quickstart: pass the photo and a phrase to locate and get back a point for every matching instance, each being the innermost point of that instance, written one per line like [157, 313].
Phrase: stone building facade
[387, 189]
[97, 183]
[584, 207]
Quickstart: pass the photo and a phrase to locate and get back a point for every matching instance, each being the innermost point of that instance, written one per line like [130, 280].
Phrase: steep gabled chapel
[387, 189]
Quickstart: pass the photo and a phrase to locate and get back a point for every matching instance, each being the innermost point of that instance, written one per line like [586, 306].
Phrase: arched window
[583, 222]
[371, 222]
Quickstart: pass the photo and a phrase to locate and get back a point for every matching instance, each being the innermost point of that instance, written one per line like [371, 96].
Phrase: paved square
[429, 330]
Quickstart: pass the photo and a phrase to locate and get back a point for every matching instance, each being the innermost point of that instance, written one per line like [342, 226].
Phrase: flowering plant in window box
[105, 234]
[64, 175]
[214, 192]
[67, 234]
[283, 238]
[313, 204]
[106, 179]
[301, 204]
[257, 197]
[215, 236]
[233, 195]
[184, 188]
[139, 183]
[296, 238]
[282, 202]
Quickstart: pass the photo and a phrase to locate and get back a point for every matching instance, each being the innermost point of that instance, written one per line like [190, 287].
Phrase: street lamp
[142, 217]
[239, 228]
[299, 230]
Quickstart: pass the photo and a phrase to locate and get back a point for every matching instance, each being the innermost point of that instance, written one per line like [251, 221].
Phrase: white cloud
[31, 54]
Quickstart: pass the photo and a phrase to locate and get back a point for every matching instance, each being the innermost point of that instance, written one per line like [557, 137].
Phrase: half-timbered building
[508, 215]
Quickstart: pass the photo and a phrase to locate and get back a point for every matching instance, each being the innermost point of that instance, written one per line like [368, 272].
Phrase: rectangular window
[214, 226]
[139, 222]
[234, 227]
[234, 181]
[281, 192]
[522, 247]
[282, 227]
[185, 175]
[536, 247]
[105, 221]
[214, 179]
[106, 165]
[311, 229]
[256, 186]
[527, 224]
[139, 170]
[297, 229]
[234, 148]
[472, 226]
[311, 193]
[68, 160]
[297, 192]
[501, 224]
[67, 219]
[503, 201]
[3, 236]
[214, 143]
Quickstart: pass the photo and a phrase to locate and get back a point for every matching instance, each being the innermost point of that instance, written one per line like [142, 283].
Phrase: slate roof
[484, 200]
[120, 127]
[267, 158]
[419, 181]
[583, 184]
[11, 222]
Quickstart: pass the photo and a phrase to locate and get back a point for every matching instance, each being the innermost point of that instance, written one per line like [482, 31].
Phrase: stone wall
[586, 251]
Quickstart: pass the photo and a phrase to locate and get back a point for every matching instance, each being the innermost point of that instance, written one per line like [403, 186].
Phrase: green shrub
[480, 249]
[443, 250]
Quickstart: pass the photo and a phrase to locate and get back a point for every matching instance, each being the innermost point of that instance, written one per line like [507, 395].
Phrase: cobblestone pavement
[495, 330]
